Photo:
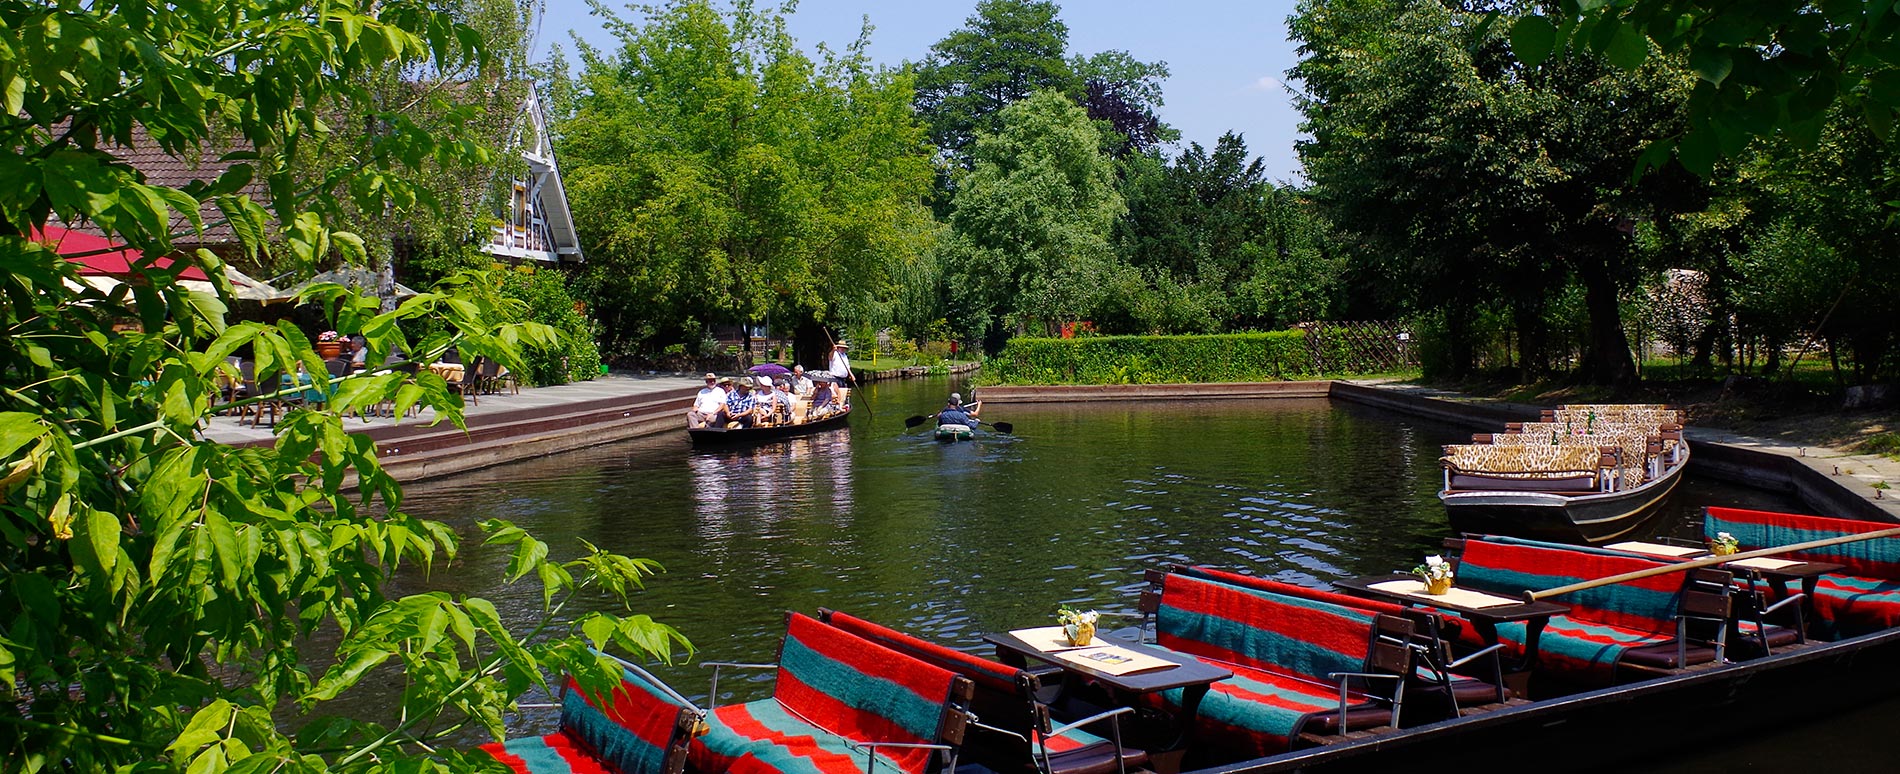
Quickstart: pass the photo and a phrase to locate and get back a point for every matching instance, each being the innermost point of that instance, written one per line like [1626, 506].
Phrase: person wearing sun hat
[840, 365]
[707, 404]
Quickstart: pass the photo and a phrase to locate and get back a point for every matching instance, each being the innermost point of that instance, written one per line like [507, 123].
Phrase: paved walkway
[1863, 473]
[230, 430]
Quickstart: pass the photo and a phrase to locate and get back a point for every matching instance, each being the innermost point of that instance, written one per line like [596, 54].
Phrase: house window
[521, 217]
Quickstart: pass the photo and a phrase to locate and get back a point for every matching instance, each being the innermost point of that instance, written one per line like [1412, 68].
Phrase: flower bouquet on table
[1724, 544]
[1435, 573]
[1079, 625]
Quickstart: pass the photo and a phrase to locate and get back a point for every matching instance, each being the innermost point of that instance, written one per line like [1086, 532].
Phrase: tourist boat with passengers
[714, 436]
[1559, 656]
[1584, 474]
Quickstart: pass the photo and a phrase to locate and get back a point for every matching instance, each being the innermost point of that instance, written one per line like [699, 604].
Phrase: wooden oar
[1709, 561]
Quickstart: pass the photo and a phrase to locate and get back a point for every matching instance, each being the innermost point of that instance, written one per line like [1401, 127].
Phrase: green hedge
[1238, 357]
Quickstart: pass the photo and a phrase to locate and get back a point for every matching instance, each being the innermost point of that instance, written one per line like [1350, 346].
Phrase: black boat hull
[1678, 715]
[1590, 519]
[721, 436]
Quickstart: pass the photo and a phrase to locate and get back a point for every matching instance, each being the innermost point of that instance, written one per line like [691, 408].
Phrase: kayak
[954, 433]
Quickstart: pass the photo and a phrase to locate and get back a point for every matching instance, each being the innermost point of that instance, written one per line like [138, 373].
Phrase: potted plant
[1079, 625]
[329, 345]
[1724, 544]
[1435, 573]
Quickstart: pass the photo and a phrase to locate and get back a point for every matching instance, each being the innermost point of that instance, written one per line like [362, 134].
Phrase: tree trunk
[1458, 348]
[1607, 359]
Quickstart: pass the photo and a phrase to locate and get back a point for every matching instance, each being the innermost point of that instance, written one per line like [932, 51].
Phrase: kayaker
[954, 414]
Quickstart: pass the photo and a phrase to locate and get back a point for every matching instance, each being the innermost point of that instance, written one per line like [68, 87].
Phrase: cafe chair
[469, 386]
[1013, 727]
[835, 698]
[640, 726]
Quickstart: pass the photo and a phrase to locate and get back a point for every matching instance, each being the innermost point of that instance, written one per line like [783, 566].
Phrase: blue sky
[1227, 59]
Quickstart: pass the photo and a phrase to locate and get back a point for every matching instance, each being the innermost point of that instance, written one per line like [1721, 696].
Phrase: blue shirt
[956, 416]
[738, 402]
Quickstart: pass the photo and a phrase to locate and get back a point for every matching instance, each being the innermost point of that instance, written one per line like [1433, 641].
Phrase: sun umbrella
[105, 265]
[770, 369]
[821, 376]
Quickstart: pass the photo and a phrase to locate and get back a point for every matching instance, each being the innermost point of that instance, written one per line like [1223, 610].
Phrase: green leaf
[343, 676]
[1711, 63]
[1696, 151]
[1628, 48]
[17, 428]
[1532, 39]
[97, 541]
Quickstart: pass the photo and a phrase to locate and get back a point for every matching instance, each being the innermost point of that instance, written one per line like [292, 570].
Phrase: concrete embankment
[909, 372]
[506, 428]
[1831, 481]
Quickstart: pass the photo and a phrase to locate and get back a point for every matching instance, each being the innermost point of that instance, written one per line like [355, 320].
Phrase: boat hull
[721, 436]
[1678, 715]
[1591, 518]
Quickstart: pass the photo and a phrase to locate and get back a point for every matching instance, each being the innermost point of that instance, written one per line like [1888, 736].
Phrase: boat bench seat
[1863, 597]
[1005, 701]
[840, 699]
[1635, 620]
[1288, 655]
[641, 727]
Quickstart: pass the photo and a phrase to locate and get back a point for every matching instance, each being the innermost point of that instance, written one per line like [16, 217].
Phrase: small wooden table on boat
[1777, 573]
[1484, 610]
[1187, 673]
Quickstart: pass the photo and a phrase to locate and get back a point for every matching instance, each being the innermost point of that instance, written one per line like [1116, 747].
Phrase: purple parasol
[769, 369]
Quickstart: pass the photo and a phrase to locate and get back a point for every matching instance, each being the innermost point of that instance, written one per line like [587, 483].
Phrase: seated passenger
[802, 385]
[708, 405]
[953, 413]
[783, 400]
[741, 407]
[824, 402]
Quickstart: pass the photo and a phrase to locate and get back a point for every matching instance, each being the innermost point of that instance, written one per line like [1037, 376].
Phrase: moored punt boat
[1298, 693]
[739, 435]
[1587, 474]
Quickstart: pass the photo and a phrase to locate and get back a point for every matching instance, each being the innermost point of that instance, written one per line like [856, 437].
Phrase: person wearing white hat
[707, 404]
[840, 365]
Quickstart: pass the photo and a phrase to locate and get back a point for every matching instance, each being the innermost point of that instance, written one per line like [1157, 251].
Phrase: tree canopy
[158, 591]
[731, 177]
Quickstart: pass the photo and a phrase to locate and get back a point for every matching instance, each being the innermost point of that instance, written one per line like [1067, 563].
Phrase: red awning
[98, 256]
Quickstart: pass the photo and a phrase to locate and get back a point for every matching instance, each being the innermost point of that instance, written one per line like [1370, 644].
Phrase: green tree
[1006, 51]
[1029, 229]
[1763, 68]
[730, 177]
[1478, 177]
[158, 591]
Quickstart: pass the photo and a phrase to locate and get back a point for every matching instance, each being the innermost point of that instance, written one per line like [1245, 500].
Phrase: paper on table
[1764, 563]
[1456, 596]
[1656, 549]
[1113, 660]
[1047, 639]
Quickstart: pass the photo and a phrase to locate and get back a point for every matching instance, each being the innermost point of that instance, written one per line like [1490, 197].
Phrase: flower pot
[329, 350]
[1436, 586]
[1722, 549]
[1080, 633]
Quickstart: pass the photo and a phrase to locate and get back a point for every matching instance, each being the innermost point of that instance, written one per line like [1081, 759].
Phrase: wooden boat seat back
[1290, 656]
[836, 693]
[638, 727]
[1578, 483]
[1863, 597]
[1007, 698]
[1521, 461]
[1603, 625]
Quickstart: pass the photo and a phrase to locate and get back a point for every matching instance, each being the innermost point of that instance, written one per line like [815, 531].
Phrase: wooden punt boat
[711, 436]
[954, 433]
[1575, 493]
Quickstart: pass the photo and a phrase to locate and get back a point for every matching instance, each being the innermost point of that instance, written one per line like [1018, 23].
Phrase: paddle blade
[913, 422]
[1004, 427]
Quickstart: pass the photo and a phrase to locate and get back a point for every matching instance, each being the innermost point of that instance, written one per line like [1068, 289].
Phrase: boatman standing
[840, 365]
[707, 404]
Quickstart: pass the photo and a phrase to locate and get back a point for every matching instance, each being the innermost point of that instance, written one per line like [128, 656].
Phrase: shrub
[548, 301]
[1239, 357]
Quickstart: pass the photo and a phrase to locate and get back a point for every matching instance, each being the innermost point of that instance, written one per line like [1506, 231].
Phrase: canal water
[952, 541]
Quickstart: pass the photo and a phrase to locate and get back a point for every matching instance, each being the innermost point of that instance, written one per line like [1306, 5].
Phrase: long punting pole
[1708, 561]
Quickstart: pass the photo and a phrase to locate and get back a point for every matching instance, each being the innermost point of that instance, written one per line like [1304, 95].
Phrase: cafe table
[1483, 609]
[1169, 669]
